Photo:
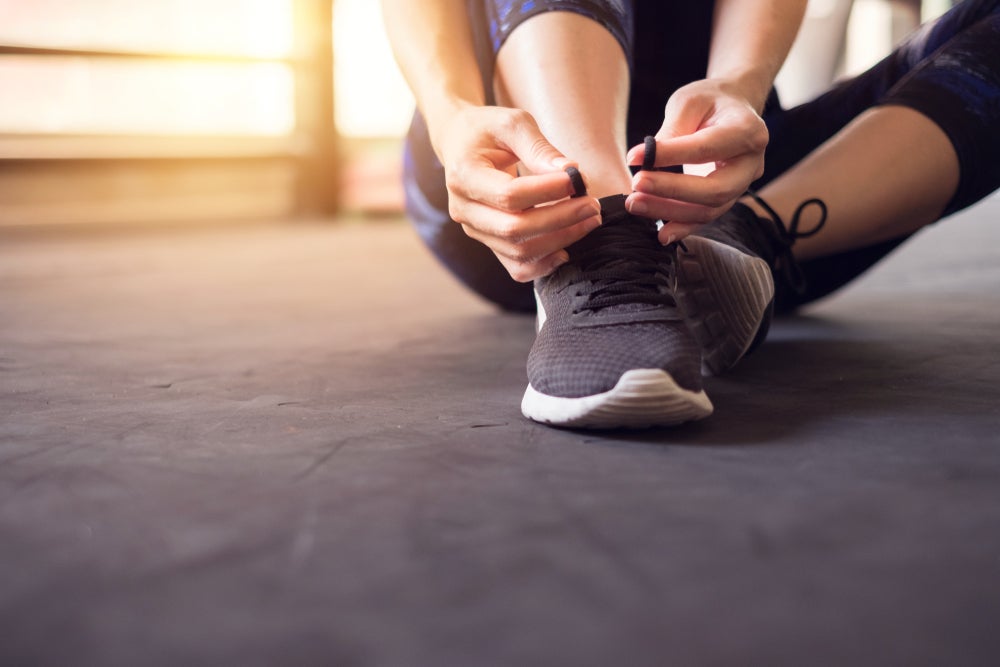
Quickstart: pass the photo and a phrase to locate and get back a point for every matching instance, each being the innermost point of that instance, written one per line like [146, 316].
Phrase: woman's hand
[528, 220]
[707, 121]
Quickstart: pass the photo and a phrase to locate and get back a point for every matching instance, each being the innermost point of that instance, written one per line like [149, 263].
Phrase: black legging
[949, 70]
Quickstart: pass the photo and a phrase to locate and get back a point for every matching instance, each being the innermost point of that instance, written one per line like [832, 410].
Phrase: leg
[886, 175]
[494, 24]
[610, 352]
[592, 107]
[900, 146]
[912, 140]
[584, 115]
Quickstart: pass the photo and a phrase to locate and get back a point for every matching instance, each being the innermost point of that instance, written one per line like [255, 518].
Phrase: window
[220, 107]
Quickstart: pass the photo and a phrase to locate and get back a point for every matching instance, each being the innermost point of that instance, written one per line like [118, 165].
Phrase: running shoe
[612, 349]
[726, 274]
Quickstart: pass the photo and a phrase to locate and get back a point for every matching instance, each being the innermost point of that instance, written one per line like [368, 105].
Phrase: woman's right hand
[527, 220]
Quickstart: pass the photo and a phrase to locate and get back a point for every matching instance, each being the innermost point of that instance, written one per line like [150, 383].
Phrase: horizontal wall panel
[261, 28]
[85, 95]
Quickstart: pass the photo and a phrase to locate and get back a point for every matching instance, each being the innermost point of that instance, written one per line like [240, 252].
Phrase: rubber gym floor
[301, 444]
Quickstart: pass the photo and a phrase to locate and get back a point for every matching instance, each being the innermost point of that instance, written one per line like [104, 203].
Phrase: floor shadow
[813, 372]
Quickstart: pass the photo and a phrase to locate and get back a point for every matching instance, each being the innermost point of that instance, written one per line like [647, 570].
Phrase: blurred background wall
[193, 111]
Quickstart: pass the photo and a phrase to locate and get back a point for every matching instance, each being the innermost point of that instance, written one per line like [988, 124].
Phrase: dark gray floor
[302, 445]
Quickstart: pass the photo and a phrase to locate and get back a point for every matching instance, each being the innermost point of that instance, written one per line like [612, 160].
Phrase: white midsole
[642, 397]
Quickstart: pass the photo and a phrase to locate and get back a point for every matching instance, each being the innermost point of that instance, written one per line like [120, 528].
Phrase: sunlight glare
[259, 28]
[372, 99]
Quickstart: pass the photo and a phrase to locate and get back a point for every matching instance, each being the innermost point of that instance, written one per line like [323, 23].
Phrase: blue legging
[949, 70]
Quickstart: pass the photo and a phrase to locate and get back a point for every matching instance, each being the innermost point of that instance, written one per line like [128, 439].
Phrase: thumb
[524, 138]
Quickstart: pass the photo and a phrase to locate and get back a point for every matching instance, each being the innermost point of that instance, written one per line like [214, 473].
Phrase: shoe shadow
[814, 375]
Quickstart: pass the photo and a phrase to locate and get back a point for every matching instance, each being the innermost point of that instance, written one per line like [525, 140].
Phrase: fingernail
[561, 163]
[561, 259]
[670, 239]
[589, 208]
[637, 207]
[592, 223]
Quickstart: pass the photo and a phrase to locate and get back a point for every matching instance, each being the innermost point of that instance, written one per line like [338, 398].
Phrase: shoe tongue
[615, 220]
[613, 208]
[602, 247]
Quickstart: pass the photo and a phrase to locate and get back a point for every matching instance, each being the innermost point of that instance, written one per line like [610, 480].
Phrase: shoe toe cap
[588, 361]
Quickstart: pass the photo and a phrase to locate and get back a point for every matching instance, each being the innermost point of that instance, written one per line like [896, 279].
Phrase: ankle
[605, 182]
[604, 170]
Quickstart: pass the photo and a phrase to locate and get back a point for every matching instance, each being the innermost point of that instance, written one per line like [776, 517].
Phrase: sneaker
[725, 279]
[612, 349]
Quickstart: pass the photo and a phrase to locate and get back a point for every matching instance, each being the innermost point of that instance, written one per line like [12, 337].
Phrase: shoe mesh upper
[610, 309]
[573, 361]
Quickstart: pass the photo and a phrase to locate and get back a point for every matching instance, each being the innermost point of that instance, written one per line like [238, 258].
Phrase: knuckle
[703, 215]
[514, 119]
[520, 272]
[717, 212]
[652, 185]
[730, 195]
[717, 199]
[521, 116]
[520, 253]
[468, 231]
[456, 211]
[539, 147]
[507, 233]
[453, 174]
[455, 178]
[508, 229]
[680, 96]
[506, 199]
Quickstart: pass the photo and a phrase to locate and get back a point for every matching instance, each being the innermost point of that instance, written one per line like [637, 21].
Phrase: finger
[536, 257]
[676, 231]
[521, 226]
[722, 185]
[648, 206]
[684, 115]
[521, 134]
[532, 249]
[500, 190]
[524, 272]
[710, 144]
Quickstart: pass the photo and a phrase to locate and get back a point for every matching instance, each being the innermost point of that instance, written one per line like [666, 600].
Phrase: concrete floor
[301, 444]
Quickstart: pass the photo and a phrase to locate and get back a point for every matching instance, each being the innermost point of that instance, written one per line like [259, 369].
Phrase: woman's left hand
[707, 121]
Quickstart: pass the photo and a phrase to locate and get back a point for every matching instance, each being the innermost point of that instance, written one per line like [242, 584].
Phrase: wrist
[752, 85]
[441, 116]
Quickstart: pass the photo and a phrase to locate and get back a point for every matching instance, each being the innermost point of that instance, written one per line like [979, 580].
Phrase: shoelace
[622, 267]
[787, 236]
[620, 263]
